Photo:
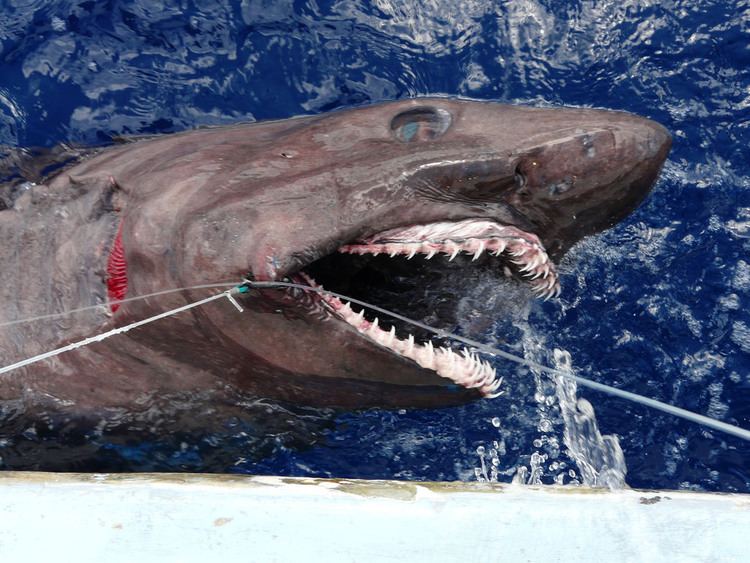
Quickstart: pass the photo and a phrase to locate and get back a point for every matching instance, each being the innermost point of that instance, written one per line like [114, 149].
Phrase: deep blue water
[658, 305]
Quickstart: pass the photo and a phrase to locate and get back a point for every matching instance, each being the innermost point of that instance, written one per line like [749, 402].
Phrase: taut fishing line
[114, 302]
[243, 289]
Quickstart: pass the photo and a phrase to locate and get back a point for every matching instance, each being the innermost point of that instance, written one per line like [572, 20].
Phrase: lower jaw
[463, 368]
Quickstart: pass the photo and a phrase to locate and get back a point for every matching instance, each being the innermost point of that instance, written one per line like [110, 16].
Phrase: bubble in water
[496, 422]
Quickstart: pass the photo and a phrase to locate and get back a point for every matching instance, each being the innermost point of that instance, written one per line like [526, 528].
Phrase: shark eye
[420, 124]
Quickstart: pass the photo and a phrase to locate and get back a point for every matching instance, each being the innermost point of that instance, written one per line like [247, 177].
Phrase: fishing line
[653, 403]
[100, 337]
[243, 288]
[114, 302]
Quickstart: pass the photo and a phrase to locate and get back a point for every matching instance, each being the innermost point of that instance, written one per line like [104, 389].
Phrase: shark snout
[660, 142]
[650, 140]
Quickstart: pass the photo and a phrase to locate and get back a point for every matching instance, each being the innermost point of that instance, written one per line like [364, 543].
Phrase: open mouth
[418, 271]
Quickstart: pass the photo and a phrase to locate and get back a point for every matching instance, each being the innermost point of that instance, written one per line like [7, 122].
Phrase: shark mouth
[399, 269]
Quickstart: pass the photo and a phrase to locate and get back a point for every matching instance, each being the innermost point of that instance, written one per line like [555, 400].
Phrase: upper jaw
[470, 236]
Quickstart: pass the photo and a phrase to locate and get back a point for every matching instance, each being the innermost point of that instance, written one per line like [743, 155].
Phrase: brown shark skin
[266, 199]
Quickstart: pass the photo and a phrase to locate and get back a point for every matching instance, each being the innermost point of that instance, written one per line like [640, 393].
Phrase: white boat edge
[203, 517]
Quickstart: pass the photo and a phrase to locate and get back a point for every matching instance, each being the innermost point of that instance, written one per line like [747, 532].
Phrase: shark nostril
[559, 188]
[520, 177]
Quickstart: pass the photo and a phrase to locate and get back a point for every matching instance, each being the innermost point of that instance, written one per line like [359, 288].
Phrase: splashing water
[599, 459]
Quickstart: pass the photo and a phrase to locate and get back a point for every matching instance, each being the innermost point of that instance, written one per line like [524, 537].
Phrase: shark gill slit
[117, 272]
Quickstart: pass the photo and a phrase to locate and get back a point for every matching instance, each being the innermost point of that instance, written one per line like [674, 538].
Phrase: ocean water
[658, 305]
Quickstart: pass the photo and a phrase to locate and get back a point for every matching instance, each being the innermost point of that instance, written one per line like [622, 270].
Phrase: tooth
[478, 376]
[410, 345]
[479, 250]
[470, 380]
[449, 247]
[431, 253]
[391, 335]
[490, 379]
[492, 392]
[393, 253]
[455, 253]
[375, 323]
[444, 357]
[455, 360]
[360, 316]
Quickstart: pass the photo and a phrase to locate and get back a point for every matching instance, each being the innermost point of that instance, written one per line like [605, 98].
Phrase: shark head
[376, 202]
